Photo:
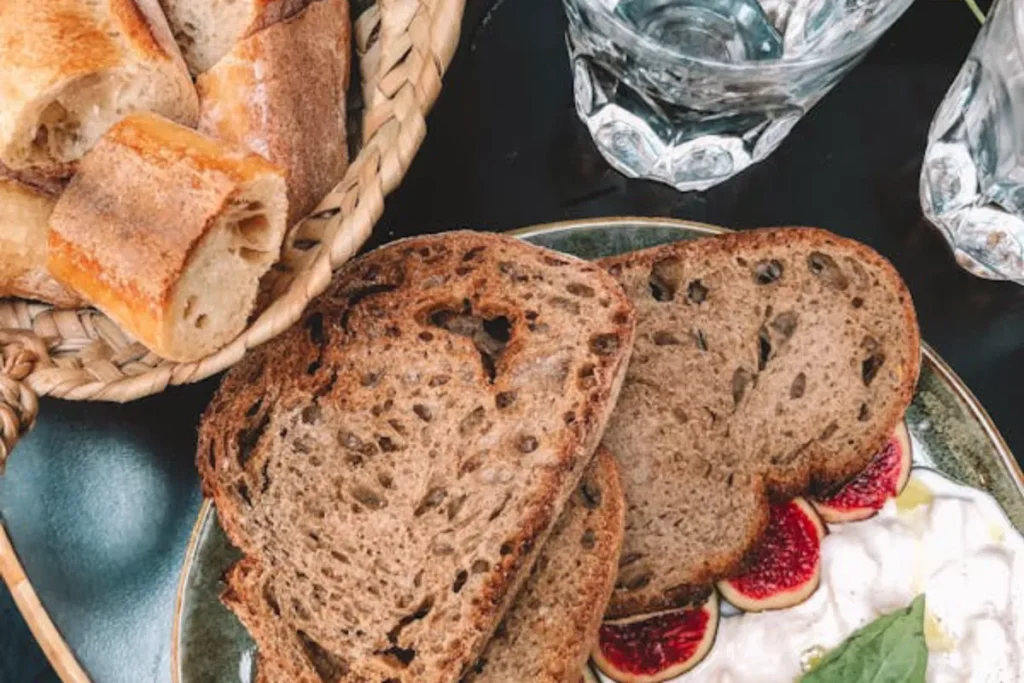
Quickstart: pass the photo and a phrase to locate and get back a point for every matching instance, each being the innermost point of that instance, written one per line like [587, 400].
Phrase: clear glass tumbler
[972, 180]
[691, 92]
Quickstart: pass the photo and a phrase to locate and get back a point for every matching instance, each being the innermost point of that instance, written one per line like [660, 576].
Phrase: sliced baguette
[552, 626]
[395, 461]
[281, 93]
[168, 233]
[770, 362]
[70, 69]
[24, 211]
[206, 30]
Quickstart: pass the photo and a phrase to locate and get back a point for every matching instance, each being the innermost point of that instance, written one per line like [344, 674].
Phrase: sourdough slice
[281, 93]
[70, 69]
[546, 635]
[395, 461]
[168, 233]
[552, 626]
[24, 211]
[770, 362]
[206, 30]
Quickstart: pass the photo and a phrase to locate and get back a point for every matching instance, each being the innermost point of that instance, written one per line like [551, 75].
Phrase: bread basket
[403, 48]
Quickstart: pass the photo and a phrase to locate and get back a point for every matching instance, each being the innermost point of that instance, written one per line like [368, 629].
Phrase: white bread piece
[24, 211]
[281, 93]
[70, 69]
[168, 233]
[206, 30]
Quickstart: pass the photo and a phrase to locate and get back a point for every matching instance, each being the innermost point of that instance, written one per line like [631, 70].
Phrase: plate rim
[928, 355]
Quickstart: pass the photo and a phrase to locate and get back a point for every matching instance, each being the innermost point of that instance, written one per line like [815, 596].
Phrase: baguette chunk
[768, 363]
[69, 70]
[168, 233]
[281, 93]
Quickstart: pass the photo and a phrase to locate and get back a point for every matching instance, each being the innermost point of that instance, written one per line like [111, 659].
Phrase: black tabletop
[504, 150]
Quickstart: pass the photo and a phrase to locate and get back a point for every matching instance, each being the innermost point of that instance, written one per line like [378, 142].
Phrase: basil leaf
[891, 649]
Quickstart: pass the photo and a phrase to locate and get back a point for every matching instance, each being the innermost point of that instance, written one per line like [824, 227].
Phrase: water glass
[972, 180]
[691, 92]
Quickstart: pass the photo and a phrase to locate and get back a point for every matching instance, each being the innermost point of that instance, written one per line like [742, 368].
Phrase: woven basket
[403, 48]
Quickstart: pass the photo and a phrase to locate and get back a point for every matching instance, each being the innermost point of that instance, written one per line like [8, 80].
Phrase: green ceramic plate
[950, 430]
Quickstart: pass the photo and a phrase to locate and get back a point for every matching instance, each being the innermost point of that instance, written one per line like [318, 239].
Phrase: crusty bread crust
[145, 198]
[206, 31]
[281, 93]
[392, 326]
[47, 49]
[729, 401]
[24, 211]
[552, 627]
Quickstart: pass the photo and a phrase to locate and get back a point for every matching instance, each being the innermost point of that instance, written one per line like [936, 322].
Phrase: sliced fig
[866, 494]
[653, 648]
[787, 564]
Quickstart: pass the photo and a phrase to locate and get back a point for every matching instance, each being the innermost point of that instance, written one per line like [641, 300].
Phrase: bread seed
[870, 366]
[368, 498]
[741, 379]
[829, 431]
[825, 267]
[589, 539]
[423, 412]
[665, 338]
[785, 324]
[434, 497]
[528, 444]
[764, 349]
[460, 580]
[505, 399]
[767, 272]
[581, 290]
[700, 340]
[865, 413]
[591, 493]
[604, 344]
[796, 390]
[311, 414]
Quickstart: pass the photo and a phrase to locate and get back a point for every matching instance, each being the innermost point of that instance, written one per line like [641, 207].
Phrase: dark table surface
[505, 150]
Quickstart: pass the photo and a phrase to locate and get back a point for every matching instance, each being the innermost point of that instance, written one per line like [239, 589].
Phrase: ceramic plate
[950, 429]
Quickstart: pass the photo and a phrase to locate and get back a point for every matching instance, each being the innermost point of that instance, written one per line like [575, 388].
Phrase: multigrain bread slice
[770, 362]
[546, 635]
[169, 233]
[206, 30]
[69, 70]
[24, 211]
[281, 93]
[396, 460]
[552, 627]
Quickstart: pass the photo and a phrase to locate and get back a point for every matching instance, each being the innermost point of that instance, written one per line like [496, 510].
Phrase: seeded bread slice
[552, 626]
[769, 362]
[396, 460]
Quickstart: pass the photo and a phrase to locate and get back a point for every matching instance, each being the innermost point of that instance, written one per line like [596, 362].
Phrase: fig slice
[656, 647]
[786, 566]
[882, 479]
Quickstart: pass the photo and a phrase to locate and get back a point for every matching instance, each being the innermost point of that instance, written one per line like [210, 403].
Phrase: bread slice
[769, 362]
[24, 211]
[168, 233]
[552, 626]
[70, 69]
[206, 30]
[395, 461]
[549, 630]
[281, 93]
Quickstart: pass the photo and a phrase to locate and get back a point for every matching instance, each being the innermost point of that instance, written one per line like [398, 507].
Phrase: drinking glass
[972, 180]
[691, 92]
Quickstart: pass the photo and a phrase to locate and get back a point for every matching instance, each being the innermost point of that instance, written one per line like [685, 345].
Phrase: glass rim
[861, 42]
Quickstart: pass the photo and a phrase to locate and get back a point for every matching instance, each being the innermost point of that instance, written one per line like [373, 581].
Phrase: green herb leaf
[891, 649]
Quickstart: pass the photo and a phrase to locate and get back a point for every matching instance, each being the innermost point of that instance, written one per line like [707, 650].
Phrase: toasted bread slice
[552, 626]
[770, 362]
[395, 462]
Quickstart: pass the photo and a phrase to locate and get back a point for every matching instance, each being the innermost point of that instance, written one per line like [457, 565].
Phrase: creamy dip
[951, 542]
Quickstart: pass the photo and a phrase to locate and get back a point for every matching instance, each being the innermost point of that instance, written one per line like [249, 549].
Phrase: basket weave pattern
[403, 49]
